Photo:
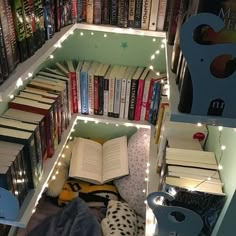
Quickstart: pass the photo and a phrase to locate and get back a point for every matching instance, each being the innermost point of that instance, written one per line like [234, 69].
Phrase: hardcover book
[122, 15]
[97, 12]
[105, 12]
[146, 14]
[97, 163]
[114, 12]
[138, 13]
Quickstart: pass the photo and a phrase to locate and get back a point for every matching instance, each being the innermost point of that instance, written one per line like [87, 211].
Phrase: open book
[97, 163]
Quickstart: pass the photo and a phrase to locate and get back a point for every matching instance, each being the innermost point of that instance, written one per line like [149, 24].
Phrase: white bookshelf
[177, 116]
[34, 195]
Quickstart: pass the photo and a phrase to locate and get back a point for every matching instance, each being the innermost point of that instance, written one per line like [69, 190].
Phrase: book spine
[139, 100]
[50, 135]
[89, 14]
[3, 56]
[84, 92]
[116, 109]
[144, 99]
[20, 29]
[84, 10]
[105, 12]
[111, 96]
[59, 118]
[138, 13]
[6, 37]
[127, 98]
[100, 95]
[122, 98]
[55, 125]
[106, 96]
[161, 15]
[28, 28]
[74, 103]
[153, 15]
[47, 20]
[79, 11]
[12, 34]
[74, 11]
[113, 12]
[96, 95]
[57, 15]
[131, 13]
[146, 14]
[167, 16]
[132, 101]
[175, 14]
[153, 98]
[91, 94]
[39, 17]
[122, 17]
[97, 12]
[149, 99]
[78, 91]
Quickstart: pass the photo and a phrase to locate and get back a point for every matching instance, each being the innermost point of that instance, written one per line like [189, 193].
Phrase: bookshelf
[177, 116]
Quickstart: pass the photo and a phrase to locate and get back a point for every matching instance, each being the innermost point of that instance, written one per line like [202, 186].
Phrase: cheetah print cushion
[121, 220]
[138, 147]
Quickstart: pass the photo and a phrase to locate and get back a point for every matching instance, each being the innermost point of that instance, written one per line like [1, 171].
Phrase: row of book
[25, 26]
[221, 67]
[191, 175]
[125, 92]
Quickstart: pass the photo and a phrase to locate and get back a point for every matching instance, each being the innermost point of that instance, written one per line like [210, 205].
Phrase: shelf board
[35, 194]
[30, 65]
[115, 29]
[177, 116]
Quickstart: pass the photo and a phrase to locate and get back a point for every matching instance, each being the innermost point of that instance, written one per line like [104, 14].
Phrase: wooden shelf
[177, 116]
[35, 194]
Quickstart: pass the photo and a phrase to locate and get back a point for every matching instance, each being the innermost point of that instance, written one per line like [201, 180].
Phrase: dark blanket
[74, 220]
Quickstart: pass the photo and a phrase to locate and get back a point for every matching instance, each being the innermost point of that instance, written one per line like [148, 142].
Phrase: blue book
[84, 88]
[79, 11]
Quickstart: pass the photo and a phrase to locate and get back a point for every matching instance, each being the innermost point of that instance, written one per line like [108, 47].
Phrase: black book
[18, 16]
[57, 15]
[48, 20]
[138, 13]
[122, 18]
[27, 139]
[113, 12]
[105, 12]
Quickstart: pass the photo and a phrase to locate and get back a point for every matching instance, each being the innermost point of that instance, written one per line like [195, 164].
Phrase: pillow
[121, 220]
[55, 186]
[94, 195]
[131, 186]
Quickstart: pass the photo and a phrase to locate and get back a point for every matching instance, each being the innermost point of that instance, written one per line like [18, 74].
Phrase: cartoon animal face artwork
[173, 220]
[211, 95]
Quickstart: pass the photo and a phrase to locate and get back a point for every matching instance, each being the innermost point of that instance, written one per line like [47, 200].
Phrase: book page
[86, 160]
[115, 158]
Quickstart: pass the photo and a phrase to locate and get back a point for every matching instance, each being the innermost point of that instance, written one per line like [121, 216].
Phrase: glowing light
[154, 40]
[85, 121]
[117, 125]
[199, 124]
[220, 128]
[53, 177]
[220, 167]
[223, 147]
[59, 164]
[81, 33]
[153, 57]
[105, 35]
[148, 164]
[151, 67]
[96, 121]
[92, 33]
[51, 56]
[172, 191]
[30, 74]
[157, 73]
[157, 52]
[144, 190]
[19, 83]
[162, 45]
[11, 96]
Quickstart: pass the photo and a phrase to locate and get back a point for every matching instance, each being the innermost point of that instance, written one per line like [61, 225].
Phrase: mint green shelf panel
[101, 131]
[121, 49]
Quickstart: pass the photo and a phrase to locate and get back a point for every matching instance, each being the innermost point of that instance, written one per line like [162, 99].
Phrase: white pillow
[131, 187]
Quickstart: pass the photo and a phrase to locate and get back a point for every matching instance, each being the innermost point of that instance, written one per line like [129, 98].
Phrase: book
[139, 98]
[113, 12]
[122, 13]
[105, 11]
[97, 12]
[138, 13]
[153, 15]
[30, 118]
[161, 14]
[89, 11]
[194, 158]
[146, 9]
[106, 90]
[133, 92]
[27, 139]
[97, 163]
[131, 13]
[78, 68]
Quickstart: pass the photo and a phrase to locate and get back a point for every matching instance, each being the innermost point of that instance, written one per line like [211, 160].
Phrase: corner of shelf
[177, 116]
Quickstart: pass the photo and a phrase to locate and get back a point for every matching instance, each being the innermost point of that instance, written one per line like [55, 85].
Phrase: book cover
[79, 11]
[48, 19]
[97, 163]
[153, 15]
[78, 68]
[17, 9]
[111, 91]
[131, 13]
[27, 139]
[161, 15]
[146, 8]
[138, 13]
[84, 10]
[57, 15]
[114, 12]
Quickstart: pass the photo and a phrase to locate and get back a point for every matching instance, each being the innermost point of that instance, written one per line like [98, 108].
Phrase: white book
[118, 87]
[161, 15]
[153, 15]
[91, 73]
[97, 163]
[128, 87]
[146, 14]
[89, 11]
[78, 68]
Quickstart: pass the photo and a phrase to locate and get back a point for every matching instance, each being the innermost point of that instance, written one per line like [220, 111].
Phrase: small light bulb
[223, 147]
[81, 33]
[147, 171]
[107, 123]
[144, 190]
[220, 128]
[146, 179]
[63, 156]
[148, 164]
[105, 35]
[152, 57]
[67, 146]
[11, 96]
[157, 73]
[162, 45]
[199, 124]
[117, 125]
[151, 67]
[85, 121]
[145, 202]
[19, 83]
[71, 32]
[53, 177]
[220, 167]
[59, 164]
[92, 33]
[51, 56]
[33, 211]
[70, 138]
[96, 121]
[157, 52]
[154, 40]
[209, 178]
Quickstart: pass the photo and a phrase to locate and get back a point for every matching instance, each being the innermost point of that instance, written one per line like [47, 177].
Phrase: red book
[149, 99]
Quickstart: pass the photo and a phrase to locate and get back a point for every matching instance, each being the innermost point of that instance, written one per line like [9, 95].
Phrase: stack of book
[192, 176]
